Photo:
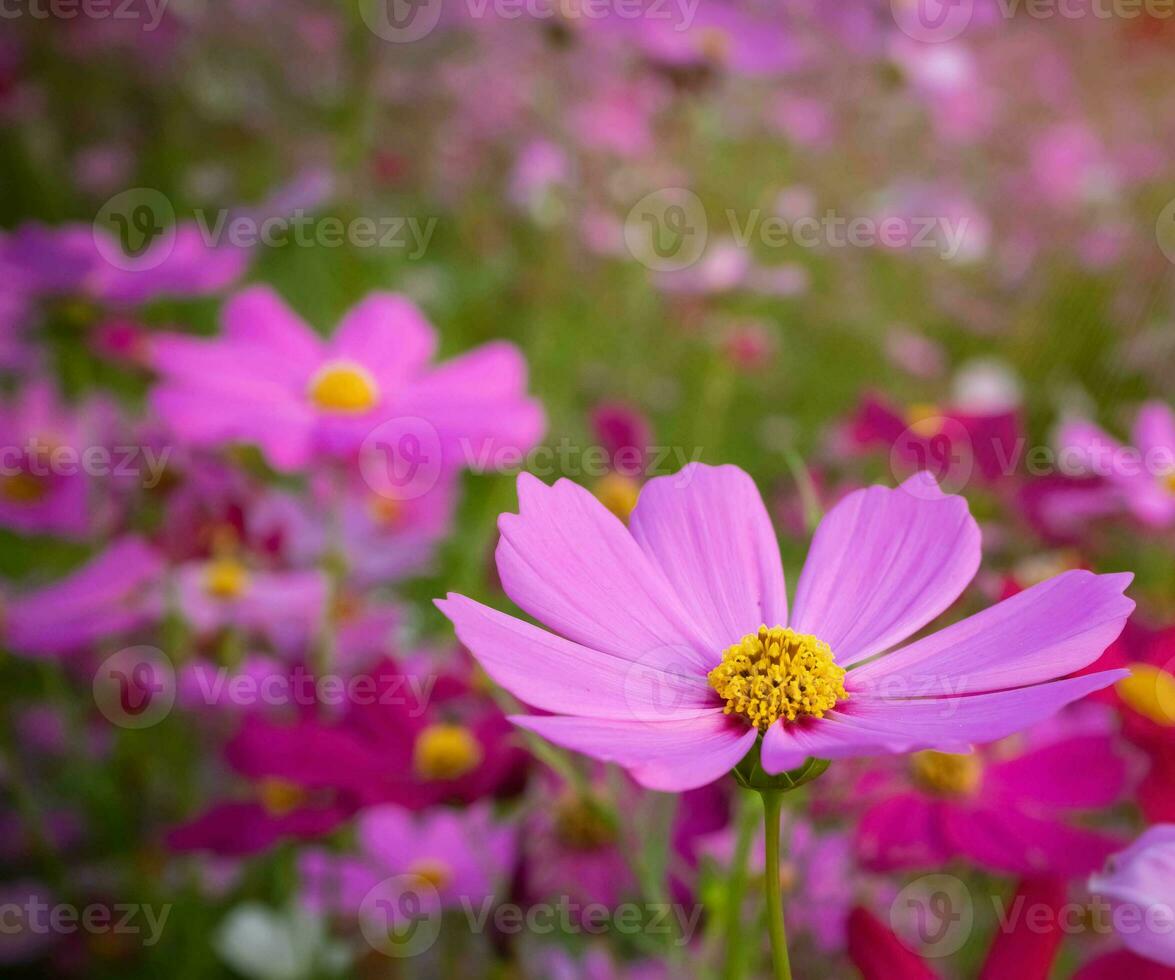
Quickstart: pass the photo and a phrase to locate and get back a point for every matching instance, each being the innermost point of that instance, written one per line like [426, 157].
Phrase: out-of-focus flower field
[292, 293]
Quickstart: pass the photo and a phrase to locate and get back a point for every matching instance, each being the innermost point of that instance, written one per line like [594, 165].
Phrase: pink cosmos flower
[271, 380]
[1142, 476]
[677, 653]
[286, 606]
[1141, 879]
[457, 858]
[114, 593]
[44, 488]
[1006, 808]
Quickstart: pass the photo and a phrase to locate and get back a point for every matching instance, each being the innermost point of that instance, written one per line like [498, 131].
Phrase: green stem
[772, 808]
[736, 887]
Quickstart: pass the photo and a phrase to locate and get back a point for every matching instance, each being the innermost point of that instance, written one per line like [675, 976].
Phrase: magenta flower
[947, 440]
[1141, 476]
[270, 379]
[415, 746]
[677, 651]
[1007, 808]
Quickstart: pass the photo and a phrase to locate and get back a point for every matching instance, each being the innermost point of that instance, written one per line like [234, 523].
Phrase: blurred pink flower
[447, 858]
[1142, 476]
[115, 593]
[270, 380]
[1142, 879]
[1006, 808]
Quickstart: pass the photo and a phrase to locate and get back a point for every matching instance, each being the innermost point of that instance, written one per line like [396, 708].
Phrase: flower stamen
[778, 673]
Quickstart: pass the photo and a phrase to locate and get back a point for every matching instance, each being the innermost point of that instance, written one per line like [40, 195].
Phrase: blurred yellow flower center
[618, 493]
[1168, 481]
[385, 511]
[714, 44]
[1151, 692]
[583, 824]
[436, 873]
[924, 419]
[343, 386]
[778, 673]
[22, 488]
[280, 796]
[946, 773]
[226, 578]
[445, 752]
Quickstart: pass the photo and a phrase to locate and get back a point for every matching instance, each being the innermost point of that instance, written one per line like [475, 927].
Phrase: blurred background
[292, 292]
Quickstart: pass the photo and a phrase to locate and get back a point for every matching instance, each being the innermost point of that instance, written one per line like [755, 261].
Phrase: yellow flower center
[280, 796]
[1151, 692]
[946, 773]
[345, 387]
[583, 824]
[1168, 481]
[618, 493]
[436, 873]
[778, 673]
[445, 752]
[226, 578]
[22, 488]
[924, 419]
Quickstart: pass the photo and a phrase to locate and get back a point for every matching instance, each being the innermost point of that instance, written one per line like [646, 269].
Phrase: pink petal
[549, 672]
[1006, 840]
[388, 335]
[571, 564]
[1044, 632]
[869, 725]
[478, 405]
[883, 564]
[258, 317]
[669, 756]
[1154, 430]
[707, 530]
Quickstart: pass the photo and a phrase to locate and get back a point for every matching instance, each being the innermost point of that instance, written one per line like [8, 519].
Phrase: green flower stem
[772, 808]
[734, 967]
